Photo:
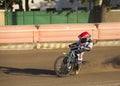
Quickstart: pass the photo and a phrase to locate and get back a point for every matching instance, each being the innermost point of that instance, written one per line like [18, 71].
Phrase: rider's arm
[87, 49]
[88, 46]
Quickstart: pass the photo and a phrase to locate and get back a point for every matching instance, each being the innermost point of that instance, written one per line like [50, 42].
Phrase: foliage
[104, 2]
[16, 1]
[8, 3]
[83, 1]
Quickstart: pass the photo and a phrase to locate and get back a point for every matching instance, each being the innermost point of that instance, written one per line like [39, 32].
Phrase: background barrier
[65, 32]
[48, 17]
[109, 31]
[57, 32]
[17, 34]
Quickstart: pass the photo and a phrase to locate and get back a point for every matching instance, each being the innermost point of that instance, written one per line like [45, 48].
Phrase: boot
[77, 69]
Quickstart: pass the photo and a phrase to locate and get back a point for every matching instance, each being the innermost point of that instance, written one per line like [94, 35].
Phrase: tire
[61, 66]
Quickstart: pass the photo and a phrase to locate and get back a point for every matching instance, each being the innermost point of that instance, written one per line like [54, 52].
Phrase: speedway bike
[66, 63]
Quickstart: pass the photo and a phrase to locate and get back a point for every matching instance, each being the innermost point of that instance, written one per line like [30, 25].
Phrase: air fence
[44, 35]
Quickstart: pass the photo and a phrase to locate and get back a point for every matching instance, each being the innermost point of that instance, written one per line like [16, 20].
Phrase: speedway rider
[84, 44]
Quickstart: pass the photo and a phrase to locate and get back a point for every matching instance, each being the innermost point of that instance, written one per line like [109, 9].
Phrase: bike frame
[71, 55]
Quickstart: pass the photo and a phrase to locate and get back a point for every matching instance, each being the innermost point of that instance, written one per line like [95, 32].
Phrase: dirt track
[35, 68]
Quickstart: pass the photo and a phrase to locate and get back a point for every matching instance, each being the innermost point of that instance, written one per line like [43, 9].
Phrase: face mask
[83, 40]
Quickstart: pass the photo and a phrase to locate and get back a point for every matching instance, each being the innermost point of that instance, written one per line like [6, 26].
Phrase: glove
[81, 49]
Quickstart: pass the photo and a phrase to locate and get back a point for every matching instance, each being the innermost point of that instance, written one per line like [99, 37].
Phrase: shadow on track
[115, 61]
[10, 70]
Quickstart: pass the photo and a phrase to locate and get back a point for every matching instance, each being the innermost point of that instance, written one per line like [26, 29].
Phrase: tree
[2, 4]
[9, 3]
[101, 6]
[104, 9]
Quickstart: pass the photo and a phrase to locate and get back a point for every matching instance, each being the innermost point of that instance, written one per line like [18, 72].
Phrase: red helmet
[84, 36]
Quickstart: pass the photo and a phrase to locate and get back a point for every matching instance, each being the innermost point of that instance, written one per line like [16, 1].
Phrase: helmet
[84, 36]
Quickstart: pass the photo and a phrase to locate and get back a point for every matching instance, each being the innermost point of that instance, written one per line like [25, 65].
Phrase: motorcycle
[65, 64]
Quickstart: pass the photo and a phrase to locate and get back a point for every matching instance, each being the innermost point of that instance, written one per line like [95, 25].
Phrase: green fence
[48, 17]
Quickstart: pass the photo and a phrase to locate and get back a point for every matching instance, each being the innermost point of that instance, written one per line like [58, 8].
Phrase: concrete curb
[28, 46]
[64, 45]
[17, 46]
[108, 43]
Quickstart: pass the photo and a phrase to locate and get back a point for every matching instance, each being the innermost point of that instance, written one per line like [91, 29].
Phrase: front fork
[72, 61]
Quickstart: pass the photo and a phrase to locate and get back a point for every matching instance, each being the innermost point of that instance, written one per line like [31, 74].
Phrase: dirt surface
[101, 67]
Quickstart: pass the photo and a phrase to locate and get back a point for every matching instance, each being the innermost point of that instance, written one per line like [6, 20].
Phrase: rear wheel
[62, 66]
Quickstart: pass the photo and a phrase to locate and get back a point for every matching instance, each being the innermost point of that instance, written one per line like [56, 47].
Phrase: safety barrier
[65, 32]
[109, 31]
[57, 32]
[17, 34]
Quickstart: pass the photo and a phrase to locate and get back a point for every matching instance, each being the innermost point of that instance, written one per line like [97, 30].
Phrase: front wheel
[62, 66]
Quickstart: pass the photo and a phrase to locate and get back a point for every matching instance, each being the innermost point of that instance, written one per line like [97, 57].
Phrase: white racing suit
[80, 49]
[84, 47]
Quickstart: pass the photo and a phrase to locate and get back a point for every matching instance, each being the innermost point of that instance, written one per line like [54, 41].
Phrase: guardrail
[57, 32]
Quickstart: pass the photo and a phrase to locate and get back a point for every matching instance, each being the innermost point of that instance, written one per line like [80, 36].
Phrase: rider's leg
[80, 57]
[79, 61]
